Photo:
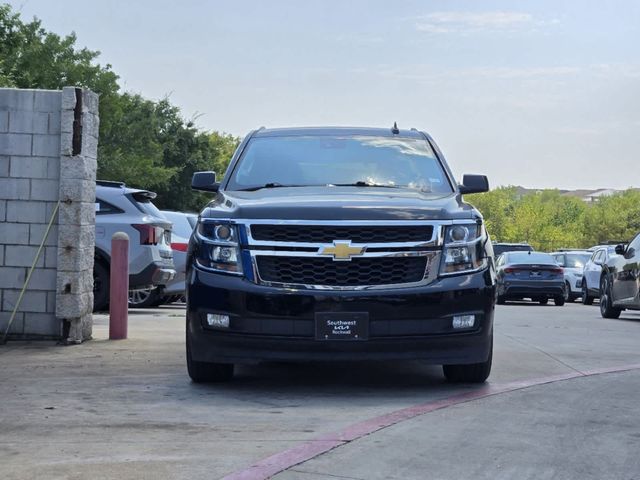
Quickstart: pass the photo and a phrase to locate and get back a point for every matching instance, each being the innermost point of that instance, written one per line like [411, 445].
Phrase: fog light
[217, 320]
[464, 321]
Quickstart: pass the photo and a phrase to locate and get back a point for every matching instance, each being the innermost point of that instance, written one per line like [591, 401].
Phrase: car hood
[338, 203]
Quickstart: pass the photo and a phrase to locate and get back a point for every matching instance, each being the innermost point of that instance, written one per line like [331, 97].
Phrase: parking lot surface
[561, 403]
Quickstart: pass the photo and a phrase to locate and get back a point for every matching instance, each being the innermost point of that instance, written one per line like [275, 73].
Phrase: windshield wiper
[270, 185]
[363, 184]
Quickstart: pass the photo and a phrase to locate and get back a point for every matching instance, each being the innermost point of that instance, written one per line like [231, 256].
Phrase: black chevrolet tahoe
[339, 244]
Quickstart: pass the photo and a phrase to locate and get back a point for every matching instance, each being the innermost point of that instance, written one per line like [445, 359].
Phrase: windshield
[537, 257]
[577, 260]
[340, 160]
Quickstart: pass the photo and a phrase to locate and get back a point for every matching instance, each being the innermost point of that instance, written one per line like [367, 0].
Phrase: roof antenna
[395, 129]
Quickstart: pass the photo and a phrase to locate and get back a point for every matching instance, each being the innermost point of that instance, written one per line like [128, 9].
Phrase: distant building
[590, 196]
[587, 196]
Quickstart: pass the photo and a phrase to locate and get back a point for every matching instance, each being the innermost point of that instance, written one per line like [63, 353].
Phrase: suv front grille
[329, 233]
[370, 271]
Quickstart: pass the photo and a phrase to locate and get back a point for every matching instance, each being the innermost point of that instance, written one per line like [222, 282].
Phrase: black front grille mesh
[329, 233]
[326, 271]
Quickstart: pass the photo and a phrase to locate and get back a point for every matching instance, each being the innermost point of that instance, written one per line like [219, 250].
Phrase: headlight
[463, 249]
[218, 248]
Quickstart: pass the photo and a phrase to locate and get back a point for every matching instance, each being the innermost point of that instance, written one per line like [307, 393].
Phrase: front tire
[607, 310]
[568, 296]
[207, 372]
[100, 287]
[559, 301]
[586, 298]
[471, 373]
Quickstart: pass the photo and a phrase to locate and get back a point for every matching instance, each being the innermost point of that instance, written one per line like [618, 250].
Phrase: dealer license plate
[342, 325]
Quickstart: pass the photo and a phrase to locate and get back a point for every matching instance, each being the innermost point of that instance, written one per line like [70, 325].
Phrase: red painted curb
[281, 461]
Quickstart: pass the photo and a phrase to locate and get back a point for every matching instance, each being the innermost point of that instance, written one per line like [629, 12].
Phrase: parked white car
[573, 262]
[130, 210]
[183, 225]
[592, 271]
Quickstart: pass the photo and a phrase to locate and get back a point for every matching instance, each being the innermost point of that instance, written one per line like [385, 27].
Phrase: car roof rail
[109, 183]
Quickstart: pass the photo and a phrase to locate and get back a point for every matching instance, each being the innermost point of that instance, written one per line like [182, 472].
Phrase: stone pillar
[76, 233]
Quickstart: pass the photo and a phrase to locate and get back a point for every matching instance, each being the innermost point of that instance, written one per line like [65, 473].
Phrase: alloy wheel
[604, 295]
[137, 297]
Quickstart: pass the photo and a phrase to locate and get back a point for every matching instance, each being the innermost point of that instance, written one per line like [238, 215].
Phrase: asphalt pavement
[561, 403]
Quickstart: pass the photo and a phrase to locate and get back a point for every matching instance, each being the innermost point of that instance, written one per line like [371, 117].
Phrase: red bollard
[119, 286]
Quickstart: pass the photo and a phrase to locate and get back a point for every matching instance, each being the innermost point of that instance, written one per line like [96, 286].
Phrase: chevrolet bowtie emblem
[341, 250]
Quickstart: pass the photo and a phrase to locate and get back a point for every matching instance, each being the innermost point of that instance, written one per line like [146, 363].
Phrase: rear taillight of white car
[179, 246]
[149, 234]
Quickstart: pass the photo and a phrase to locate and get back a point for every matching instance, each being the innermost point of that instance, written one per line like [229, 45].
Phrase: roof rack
[109, 183]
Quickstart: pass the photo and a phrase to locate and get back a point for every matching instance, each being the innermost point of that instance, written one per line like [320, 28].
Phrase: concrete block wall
[38, 159]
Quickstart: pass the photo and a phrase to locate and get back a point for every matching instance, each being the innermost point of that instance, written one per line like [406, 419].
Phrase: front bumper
[576, 284]
[278, 324]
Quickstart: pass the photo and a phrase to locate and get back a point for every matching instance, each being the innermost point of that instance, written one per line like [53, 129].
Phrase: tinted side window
[635, 245]
[103, 208]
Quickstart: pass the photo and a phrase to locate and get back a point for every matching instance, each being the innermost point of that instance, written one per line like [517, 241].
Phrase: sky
[543, 94]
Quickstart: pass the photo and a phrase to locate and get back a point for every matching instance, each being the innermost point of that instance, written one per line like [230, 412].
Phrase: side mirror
[205, 182]
[620, 249]
[474, 184]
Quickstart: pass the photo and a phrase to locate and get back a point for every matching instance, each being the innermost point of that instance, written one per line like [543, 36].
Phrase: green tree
[497, 207]
[144, 143]
[131, 145]
[31, 57]
[548, 221]
[613, 219]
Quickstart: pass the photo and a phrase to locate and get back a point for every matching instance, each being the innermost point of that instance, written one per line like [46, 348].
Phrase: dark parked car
[500, 248]
[620, 280]
[533, 275]
[339, 244]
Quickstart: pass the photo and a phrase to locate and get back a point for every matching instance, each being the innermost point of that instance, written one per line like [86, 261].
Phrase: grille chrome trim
[431, 271]
[369, 234]
[437, 235]
[431, 248]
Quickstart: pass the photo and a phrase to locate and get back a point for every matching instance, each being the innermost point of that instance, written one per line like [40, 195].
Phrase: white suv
[573, 262]
[593, 271]
[122, 209]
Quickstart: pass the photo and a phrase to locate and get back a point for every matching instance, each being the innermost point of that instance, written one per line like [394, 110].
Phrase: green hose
[33, 267]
